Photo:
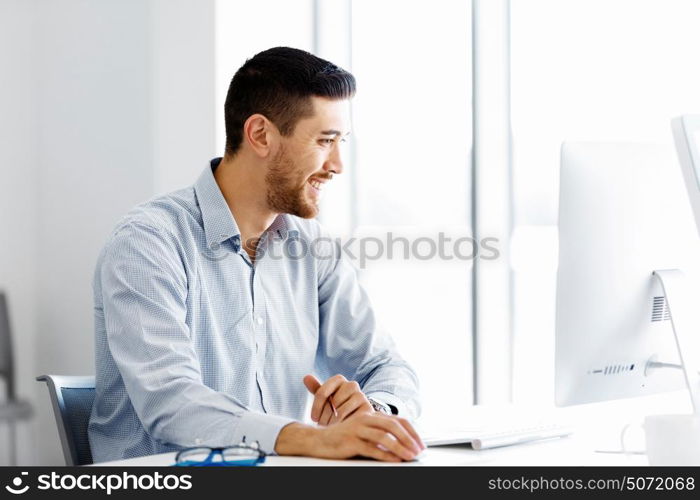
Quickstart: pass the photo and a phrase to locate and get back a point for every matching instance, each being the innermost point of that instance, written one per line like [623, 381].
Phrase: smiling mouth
[317, 185]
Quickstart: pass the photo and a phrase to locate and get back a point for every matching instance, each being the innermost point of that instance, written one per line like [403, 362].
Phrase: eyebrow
[333, 132]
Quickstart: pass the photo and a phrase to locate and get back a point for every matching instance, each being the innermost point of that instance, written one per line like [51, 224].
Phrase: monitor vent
[659, 310]
[613, 369]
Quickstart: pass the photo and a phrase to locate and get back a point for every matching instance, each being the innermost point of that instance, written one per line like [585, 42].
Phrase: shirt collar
[280, 227]
[219, 223]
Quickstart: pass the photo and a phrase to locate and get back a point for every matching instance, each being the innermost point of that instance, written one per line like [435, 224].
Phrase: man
[210, 320]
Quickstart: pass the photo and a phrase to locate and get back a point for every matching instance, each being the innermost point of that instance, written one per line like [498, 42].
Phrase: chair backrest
[71, 398]
[6, 368]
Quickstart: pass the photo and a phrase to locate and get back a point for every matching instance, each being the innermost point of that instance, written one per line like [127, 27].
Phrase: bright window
[412, 119]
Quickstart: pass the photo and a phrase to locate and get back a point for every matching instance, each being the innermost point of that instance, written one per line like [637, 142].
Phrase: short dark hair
[278, 83]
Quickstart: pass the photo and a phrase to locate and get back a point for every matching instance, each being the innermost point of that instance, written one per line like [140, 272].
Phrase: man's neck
[245, 193]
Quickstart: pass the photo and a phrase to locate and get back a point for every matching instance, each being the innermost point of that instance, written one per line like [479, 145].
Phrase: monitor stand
[682, 305]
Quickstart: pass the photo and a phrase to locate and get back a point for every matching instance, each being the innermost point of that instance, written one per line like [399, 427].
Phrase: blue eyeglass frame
[213, 452]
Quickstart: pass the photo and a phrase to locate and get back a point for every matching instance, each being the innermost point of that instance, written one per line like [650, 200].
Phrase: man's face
[308, 158]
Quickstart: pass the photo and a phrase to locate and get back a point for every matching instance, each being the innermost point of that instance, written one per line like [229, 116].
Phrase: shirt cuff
[388, 399]
[260, 427]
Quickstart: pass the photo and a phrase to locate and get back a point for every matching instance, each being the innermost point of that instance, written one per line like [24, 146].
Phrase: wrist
[295, 439]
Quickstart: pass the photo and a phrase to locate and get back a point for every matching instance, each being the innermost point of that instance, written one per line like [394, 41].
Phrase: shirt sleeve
[352, 344]
[144, 286]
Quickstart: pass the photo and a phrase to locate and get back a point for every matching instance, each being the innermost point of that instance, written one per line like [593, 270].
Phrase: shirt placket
[260, 325]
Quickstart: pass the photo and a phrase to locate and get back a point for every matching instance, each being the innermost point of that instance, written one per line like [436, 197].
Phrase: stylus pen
[330, 402]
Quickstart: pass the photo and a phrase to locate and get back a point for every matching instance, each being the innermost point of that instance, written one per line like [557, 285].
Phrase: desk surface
[596, 427]
[570, 451]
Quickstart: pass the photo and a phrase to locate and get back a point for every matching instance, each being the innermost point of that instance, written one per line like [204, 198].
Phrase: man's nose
[335, 162]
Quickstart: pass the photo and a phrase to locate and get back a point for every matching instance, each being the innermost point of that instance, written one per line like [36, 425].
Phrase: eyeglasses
[241, 456]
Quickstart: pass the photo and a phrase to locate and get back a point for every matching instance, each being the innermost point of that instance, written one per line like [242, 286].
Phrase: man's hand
[345, 395]
[389, 438]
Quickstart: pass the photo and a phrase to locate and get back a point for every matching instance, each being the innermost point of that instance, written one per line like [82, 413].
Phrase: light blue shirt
[196, 346]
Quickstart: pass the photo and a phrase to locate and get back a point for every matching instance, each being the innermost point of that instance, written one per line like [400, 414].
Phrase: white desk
[575, 450]
[597, 427]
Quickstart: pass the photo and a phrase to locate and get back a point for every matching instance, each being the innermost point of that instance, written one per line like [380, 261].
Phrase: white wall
[184, 91]
[18, 196]
[95, 150]
[109, 102]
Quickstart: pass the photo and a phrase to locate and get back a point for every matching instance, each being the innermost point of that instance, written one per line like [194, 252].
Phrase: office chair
[12, 410]
[71, 398]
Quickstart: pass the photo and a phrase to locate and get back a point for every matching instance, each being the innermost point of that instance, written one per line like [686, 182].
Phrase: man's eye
[327, 141]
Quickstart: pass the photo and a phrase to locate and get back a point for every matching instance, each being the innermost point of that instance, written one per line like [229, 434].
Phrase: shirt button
[259, 320]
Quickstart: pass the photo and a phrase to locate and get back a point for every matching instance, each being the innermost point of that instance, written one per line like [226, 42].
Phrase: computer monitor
[686, 133]
[623, 214]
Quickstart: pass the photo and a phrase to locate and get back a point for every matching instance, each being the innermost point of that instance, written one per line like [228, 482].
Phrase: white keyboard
[482, 438]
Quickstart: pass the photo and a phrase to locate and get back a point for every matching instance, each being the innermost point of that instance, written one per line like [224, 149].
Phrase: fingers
[312, 383]
[350, 398]
[370, 450]
[396, 426]
[377, 436]
[327, 415]
[346, 390]
[323, 393]
[412, 431]
[360, 411]
[357, 402]
[388, 441]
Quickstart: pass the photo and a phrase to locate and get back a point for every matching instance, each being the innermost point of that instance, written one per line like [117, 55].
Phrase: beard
[286, 190]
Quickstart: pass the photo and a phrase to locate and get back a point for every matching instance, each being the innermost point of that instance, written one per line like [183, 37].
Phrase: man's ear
[260, 134]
